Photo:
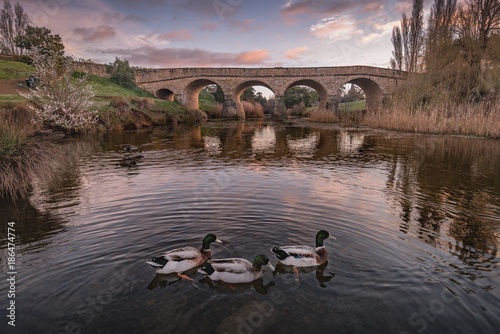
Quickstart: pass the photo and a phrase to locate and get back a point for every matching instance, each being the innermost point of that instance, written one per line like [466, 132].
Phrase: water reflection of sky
[264, 140]
[212, 145]
[350, 141]
[304, 147]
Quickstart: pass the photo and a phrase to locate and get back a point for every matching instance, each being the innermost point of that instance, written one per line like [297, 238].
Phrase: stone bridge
[186, 84]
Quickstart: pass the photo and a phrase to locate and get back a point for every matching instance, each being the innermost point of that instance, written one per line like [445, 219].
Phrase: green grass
[9, 69]
[106, 87]
[170, 106]
[352, 106]
[10, 97]
[206, 101]
[10, 101]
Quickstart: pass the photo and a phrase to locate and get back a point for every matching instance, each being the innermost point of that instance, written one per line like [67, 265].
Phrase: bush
[62, 101]
[122, 73]
[298, 110]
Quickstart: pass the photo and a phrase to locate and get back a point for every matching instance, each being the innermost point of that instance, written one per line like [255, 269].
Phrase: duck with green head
[304, 256]
[182, 259]
[236, 270]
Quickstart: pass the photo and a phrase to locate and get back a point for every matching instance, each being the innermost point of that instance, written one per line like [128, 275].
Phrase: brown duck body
[301, 256]
[182, 259]
[304, 256]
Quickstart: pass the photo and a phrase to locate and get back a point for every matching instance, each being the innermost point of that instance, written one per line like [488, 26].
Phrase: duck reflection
[164, 280]
[320, 276]
[220, 286]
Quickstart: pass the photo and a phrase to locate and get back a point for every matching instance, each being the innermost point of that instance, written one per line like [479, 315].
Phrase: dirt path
[10, 87]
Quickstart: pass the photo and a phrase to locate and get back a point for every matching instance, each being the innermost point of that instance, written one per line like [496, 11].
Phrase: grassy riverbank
[26, 156]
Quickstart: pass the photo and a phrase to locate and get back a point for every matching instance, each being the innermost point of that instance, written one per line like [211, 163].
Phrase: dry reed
[216, 112]
[253, 110]
[471, 119]
[22, 159]
[481, 119]
[298, 110]
[324, 116]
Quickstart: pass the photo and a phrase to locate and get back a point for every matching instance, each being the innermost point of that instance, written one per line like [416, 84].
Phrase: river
[416, 220]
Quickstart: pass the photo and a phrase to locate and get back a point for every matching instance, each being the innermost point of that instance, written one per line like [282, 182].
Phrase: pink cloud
[183, 57]
[243, 25]
[177, 35]
[95, 34]
[297, 52]
[209, 26]
[253, 57]
[403, 7]
[335, 28]
[373, 7]
[318, 8]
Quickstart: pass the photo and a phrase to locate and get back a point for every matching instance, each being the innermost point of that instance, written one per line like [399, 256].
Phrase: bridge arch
[373, 92]
[192, 91]
[240, 88]
[317, 86]
[165, 94]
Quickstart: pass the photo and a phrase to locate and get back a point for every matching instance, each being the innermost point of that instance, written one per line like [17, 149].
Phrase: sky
[223, 33]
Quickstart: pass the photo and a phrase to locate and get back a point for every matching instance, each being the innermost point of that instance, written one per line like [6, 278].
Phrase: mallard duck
[235, 270]
[304, 256]
[182, 259]
[130, 161]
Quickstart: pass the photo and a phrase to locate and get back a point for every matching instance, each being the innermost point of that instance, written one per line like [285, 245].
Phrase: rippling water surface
[416, 220]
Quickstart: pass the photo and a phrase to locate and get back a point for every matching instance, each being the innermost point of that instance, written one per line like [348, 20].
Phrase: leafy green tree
[259, 98]
[295, 95]
[248, 95]
[122, 73]
[218, 94]
[42, 39]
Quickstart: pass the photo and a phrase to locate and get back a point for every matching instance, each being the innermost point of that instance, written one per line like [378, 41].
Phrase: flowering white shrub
[61, 100]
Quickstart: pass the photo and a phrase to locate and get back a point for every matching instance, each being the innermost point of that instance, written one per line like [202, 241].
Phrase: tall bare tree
[397, 53]
[416, 35]
[440, 30]
[408, 41]
[478, 20]
[13, 23]
[405, 40]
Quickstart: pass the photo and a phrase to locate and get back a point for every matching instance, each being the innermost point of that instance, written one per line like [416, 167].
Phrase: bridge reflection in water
[260, 138]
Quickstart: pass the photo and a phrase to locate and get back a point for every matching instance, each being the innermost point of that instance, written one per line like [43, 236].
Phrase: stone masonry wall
[92, 68]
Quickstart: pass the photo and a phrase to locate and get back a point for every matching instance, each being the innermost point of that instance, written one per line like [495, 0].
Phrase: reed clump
[216, 111]
[324, 116]
[298, 110]
[481, 119]
[23, 159]
[253, 110]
